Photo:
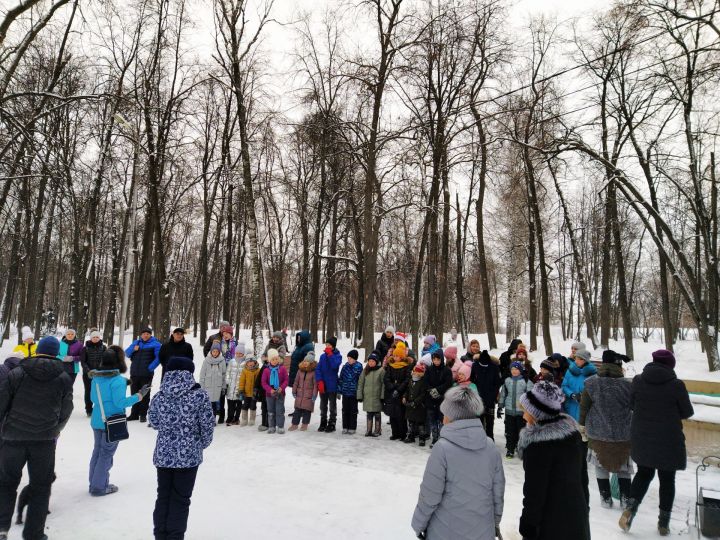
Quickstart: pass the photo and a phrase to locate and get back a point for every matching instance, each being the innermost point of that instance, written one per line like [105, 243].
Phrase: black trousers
[221, 407]
[417, 429]
[263, 412]
[488, 421]
[301, 414]
[249, 404]
[349, 412]
[641, 483]
[40, 459]
[86, 384]
[434, 421]
[328, 398]
[513, 425]
[136, 383]
[172, 507]
[398, 425]
[234, 407]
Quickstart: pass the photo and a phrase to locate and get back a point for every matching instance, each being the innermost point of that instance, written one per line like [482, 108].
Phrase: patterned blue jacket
[349, 377]
[183, 417]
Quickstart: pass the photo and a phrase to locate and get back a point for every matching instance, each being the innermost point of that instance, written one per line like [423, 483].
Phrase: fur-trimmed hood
[307, 365]
[556, 429]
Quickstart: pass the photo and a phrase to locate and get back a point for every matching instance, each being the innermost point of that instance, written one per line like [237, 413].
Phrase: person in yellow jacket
[28, 345]
[246, 391]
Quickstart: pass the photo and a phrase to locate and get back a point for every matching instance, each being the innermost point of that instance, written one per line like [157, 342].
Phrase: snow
[302, 485]
[705, 400]
[706, 413]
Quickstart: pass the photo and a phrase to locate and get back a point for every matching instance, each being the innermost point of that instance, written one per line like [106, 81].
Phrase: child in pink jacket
[274, 382]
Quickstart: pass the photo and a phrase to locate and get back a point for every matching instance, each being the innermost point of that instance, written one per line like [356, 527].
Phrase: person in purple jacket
[71, 360]
[326, 375]
[274, 382]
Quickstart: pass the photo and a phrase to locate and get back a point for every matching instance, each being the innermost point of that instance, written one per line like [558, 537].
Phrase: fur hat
[277, 334]
[400, 350]
[310, 356]
[461, 403]
[390, 329]
[584, 354]
[273, 353]
[26, 333]
[544, 401]
[332, 341]
[451, 352]
[49, 346]
[71, 330]
[353, 354]
[180, 363]
[95, 334]
[661, 356]
[429, 340]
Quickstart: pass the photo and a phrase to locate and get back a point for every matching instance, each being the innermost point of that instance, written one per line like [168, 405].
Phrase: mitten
[321, 387]
[434, 393]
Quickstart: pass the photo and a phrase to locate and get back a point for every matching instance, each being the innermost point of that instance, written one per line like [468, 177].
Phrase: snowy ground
[298, 485]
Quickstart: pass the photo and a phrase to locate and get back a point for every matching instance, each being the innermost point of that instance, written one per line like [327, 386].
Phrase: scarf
[275, 377]
[399, 364]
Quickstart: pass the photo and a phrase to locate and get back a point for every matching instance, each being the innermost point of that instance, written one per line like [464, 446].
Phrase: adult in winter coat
[554, 504]
[246, 390]
[144, 354]
[574, 382]
[605, 417]
[660, 403]
[347, 391]
[212, 378]
[326, 375]
[175, 346]
[414, 401]
[110, 386]
[277, 342]
[35, 404]
[507, 357]
[514, 386]
[303, 345]
[28, 347]
[371, 393]
[183, 417]
[430, 345]
[438, 380]
[304, 390]
[397, 379]
[463, 488]
[214, 337]
[72, 353]
[90, 358]
[386, 339]
[485, 375]
[11, 362]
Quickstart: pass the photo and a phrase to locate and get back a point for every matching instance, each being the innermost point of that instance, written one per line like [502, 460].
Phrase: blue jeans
[101, 462]
[276, 411]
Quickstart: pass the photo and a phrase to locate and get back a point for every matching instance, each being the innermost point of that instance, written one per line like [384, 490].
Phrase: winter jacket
[113, 388]
[73, 350]
[282, 379]
[397, 379]
[383, 345]
[554, 505]
[349, 378]
[212, 376]
[304, 388]
[371, 389]
[209, 342]
[660, 403]
[232, 378]
[172, 348]
[605, 405]
[10, 363]
[259, 390]
[415, 400]
[574, 383]
[183, 417]
[327, 370]
[431, 349]
[35, 400]
[485, 375]
[440, 378]
[506, 358]
[145, 359]
[462, 491]
[303, 345]
[280, 348]
[227, 346]
[25, 349]
[512, 389]
[248, 378]
[91, 355]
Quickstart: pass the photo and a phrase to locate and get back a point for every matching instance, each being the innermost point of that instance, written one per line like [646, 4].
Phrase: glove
[321, 387]
[144, 391]
[499, 413]
[68, 359]
[395, 394]
[434, 393]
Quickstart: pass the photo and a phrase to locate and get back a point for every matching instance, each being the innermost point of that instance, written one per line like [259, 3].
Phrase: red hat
[419, 368]
[401, 336]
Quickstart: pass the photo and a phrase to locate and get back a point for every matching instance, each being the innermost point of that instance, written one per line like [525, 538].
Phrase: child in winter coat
[438, 379]
[462, 377]
[232, 378]
[28, 345]
[414, 401]
[521, 355]
[247, 392]
[371, 393]
[513, 387]
[485, 374]
[212, 377]
[347, 390]
[574, 382]
[326, 375]
[259, 394]
[430, 345]
[397, 379]
[274, 382]
[304, 390]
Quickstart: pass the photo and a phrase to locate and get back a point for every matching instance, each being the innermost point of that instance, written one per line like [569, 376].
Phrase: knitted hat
[419, 368]
[465, 370]
[180, 363]
[548, 364]
[273, 354]
[353, 354]
[109, 359]
[310, 356]
[400, 350]
[661, 356]
[277, 334]
[429, 340]
[332, 341]
[146, 329]
[179, 330]
[426, 359]
[250, 358]
[557, 356]
[390, 329]
[26, 333]
[451, 352]
[373, 356]
[49, 346]
[95, 334]
[461, 403]
[579, 345]
[71, 330]
[521, 348]
[240, 347]
[544, 401]
[439, 354]
[216, 347]
[517, 365]
[584, 354]
[226, 328]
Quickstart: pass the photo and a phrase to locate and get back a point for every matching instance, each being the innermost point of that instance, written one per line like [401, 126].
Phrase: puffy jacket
[440, 378]
[113, 388]
[145, 359]
[248, 379]
[383, 345]
[371, 389]
[72, 349]
[415, 400]
[485, 375]
[327, 370]
[175, 348]
[212, 376]
[282, 379]
[303, 345]
[397, 378]
[232, 379]
[183, 417]
[304, 388]
[463, 488]
[25, 349]
[10, 363]
[574, 383]
[91, 355]
[35, 400]
[512, 389]
[349, 378]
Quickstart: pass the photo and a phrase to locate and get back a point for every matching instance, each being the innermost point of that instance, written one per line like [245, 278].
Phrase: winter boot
[409, 439]
[280, 431]
[143, 418]
[293, 427]
[262, 428]
[323, 424]
[304, 427]
[221, 418]
[435, 438]
[270, 431]
[664, 523]
[133, 417]
[251, 420]
[606, 500]
[422, 441]
[3, 535]
[344, 431]
[351, 432]
[628, 515]
[244, 419]
[509, 454]
[330, 427]
[624, 485]
[369, 433]
[378, 428]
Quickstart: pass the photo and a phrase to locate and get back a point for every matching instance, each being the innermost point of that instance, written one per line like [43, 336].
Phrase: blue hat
[180, 363]
[49, 346]
[518, 365]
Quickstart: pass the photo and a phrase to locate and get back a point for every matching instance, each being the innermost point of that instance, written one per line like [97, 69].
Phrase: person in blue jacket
[347, 389]
[303, 345]
[326, 376]
[107, 382]
[574, 382]
[144, 353]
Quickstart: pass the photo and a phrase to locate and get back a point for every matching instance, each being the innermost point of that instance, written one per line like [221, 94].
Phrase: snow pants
[513, 424]
[172, 507]
[349, 412]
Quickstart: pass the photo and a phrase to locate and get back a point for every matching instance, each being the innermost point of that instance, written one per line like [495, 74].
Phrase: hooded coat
[506, 358]
[383, 345]
[248, 378]
[232, 378]
[397, 379]
[212, 376]
[441, 379]
[485, 375]
[304, 388]
[660, 403]
[512, 389]
[574, 383]
[183, 417]
[303, 345]
[113, 389]
[462, 492]
[371, 389]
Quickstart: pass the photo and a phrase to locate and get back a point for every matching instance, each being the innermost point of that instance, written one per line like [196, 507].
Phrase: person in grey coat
[463, 489]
